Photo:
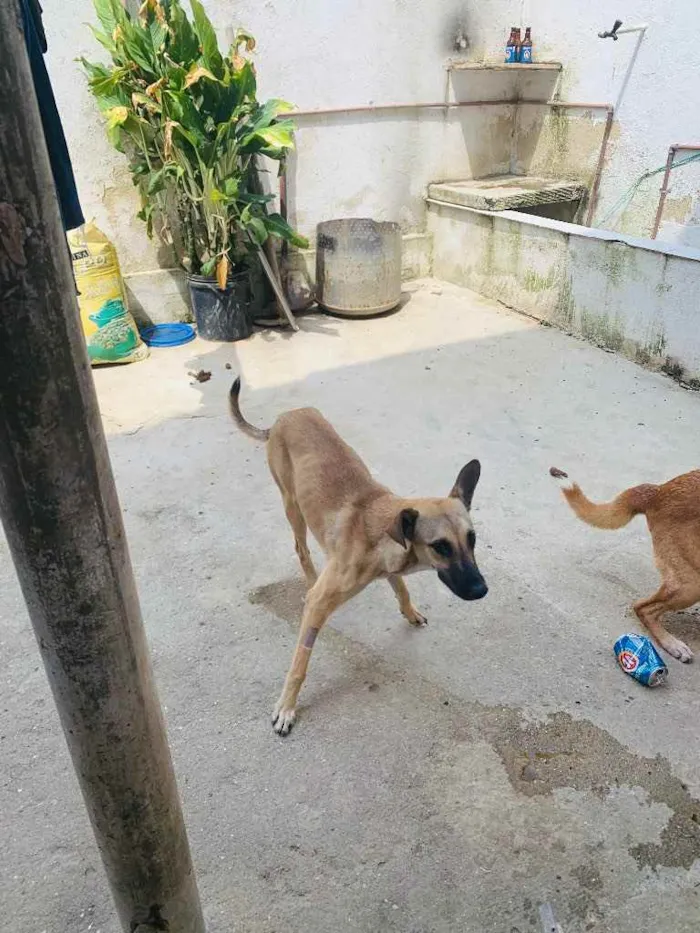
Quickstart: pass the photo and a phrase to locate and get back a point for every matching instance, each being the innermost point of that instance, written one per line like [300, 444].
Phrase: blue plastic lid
[167, 335]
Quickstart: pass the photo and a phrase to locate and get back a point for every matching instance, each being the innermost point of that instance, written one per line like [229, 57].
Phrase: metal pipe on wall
[677, 147]
[63, 523]
[595, 187]
[444, 105]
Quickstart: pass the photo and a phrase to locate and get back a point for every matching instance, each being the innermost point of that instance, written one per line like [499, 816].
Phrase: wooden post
[63, 523]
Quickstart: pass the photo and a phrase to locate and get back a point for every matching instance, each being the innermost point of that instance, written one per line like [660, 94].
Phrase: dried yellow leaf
[222, 272]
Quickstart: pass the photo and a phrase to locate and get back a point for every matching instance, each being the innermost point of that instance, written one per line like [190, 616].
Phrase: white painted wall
[660, 106]
[327, 53]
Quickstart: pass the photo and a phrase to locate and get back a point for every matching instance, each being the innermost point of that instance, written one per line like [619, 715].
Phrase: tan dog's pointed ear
[403, 527]
[466, 483]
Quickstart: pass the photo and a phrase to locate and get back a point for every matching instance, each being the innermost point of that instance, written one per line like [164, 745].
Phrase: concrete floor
[452, 778]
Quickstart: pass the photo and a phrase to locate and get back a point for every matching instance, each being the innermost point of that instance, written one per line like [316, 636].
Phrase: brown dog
[366, 532]
[672, 511]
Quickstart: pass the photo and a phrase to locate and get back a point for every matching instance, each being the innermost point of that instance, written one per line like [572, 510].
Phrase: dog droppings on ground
[202, 375]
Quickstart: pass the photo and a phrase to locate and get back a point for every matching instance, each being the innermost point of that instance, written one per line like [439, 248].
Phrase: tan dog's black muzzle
[464, 579]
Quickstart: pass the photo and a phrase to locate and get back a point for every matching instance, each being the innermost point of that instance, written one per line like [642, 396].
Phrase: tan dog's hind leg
[330, 591]
[408, 610]
[296, 520]
[668, 598]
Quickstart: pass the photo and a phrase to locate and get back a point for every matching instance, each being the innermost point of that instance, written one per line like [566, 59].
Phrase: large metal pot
[358, 266]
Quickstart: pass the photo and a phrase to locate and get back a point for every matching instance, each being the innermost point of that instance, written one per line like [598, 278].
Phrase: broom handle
[274, 281]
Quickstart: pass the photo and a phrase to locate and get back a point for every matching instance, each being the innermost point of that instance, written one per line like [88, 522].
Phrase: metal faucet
[612, 33]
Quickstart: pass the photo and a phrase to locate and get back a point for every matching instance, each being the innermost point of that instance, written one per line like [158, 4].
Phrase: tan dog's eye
[442, 548]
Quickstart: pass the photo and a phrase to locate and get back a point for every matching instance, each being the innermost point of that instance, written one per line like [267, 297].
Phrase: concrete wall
[620, 293]
[319, 54]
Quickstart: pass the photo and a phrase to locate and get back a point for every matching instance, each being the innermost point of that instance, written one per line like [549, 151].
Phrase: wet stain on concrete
[284, 599]
[542, 757]
[564, 752]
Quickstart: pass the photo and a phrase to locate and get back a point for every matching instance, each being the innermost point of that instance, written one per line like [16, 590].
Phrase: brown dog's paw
[283, 720]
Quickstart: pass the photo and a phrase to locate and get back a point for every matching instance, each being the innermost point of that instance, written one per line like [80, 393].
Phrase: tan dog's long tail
[610, 515]
[259, 434]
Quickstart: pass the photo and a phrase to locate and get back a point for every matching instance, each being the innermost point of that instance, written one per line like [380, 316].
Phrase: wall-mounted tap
[612, 33]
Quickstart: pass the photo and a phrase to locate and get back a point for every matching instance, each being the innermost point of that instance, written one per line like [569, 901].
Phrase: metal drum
[358, 266]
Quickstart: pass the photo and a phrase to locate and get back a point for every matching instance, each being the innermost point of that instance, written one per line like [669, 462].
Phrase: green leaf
[207, 39]
[146, 214]
[110, 14]
[95, 71]
[257, 229]
[272, 141]
[114, 135]
[208, 266]
[180, 106]
[245, 82]
[111, 83]
[279, 227]
[279, 136]
[159, 33]
[183, 46]
[103, 39]
[110, 101]
[157, 181]
[268, 112]
[136, 42]
[248, 197]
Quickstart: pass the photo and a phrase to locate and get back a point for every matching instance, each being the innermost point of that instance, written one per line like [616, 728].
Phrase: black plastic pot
[222, 314]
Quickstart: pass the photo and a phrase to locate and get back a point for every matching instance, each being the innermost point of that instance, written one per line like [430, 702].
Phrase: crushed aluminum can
[638, 657]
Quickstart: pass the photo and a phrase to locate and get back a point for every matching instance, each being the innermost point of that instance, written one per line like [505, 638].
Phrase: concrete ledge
[637, 297]
[506, 192]
[158, 296]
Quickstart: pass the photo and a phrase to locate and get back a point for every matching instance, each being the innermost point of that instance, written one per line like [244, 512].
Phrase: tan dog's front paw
[283, 719]
[415, 618]
[677, 648]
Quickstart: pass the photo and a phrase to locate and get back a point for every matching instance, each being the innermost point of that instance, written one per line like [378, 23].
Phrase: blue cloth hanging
[35, 37]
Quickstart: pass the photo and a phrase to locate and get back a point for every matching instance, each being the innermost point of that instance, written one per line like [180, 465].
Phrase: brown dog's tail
[610, 515]
[258, 434]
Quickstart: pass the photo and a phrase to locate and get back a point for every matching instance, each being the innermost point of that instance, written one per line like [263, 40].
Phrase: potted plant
[189, 121]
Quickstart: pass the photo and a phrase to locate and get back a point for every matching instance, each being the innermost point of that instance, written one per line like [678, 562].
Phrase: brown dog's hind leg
[408, 610]
[649, 612]
[331, 590]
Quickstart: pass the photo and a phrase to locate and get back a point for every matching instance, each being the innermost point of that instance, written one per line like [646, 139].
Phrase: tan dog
[672, 511]
[366, 532]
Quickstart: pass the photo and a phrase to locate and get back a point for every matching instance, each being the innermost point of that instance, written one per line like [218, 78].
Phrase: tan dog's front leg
[408, 610]
[330, 591]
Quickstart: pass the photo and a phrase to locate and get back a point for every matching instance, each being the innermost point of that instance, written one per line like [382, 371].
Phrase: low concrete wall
[618, 292]
[160, 295]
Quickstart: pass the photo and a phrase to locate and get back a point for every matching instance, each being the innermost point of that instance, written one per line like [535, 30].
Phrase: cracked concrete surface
[449, 778]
